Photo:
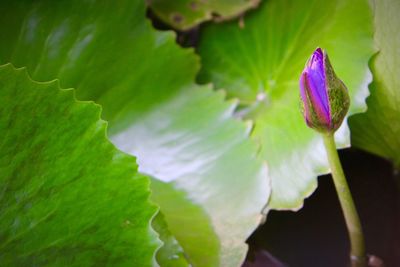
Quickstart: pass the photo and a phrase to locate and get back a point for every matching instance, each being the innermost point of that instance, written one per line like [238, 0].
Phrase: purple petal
[317, 84]
[303, 95]
[320, 107]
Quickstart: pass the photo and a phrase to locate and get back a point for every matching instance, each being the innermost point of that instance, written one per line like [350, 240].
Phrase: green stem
[357, 253]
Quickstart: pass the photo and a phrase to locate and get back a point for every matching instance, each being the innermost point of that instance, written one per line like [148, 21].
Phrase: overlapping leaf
[185, 14]
[182, 134]
[68, 196]
[378, 129]
[171, 253]
[261, 65]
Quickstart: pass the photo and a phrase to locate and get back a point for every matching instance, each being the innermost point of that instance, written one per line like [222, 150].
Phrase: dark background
[316, 235]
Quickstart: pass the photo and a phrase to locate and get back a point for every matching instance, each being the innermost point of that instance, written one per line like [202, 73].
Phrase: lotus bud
[325, 99]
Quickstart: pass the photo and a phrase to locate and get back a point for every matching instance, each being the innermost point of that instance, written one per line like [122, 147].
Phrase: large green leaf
[185, 14]
[68, 197]
[378, 130]
[261, 65]
[181, 133]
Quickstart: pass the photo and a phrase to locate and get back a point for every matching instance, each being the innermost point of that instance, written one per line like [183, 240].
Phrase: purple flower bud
[324, 97]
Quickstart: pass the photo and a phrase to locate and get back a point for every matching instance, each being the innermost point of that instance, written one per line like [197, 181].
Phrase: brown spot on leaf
[177, 18]
[194, 5]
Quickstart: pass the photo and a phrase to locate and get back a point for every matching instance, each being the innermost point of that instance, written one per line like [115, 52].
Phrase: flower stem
[357, 253]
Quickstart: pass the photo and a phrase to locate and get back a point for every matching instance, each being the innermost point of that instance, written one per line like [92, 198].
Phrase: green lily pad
[261, 64]
[186, 14]
[182, 134]
[68, 196]
[378, 130]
